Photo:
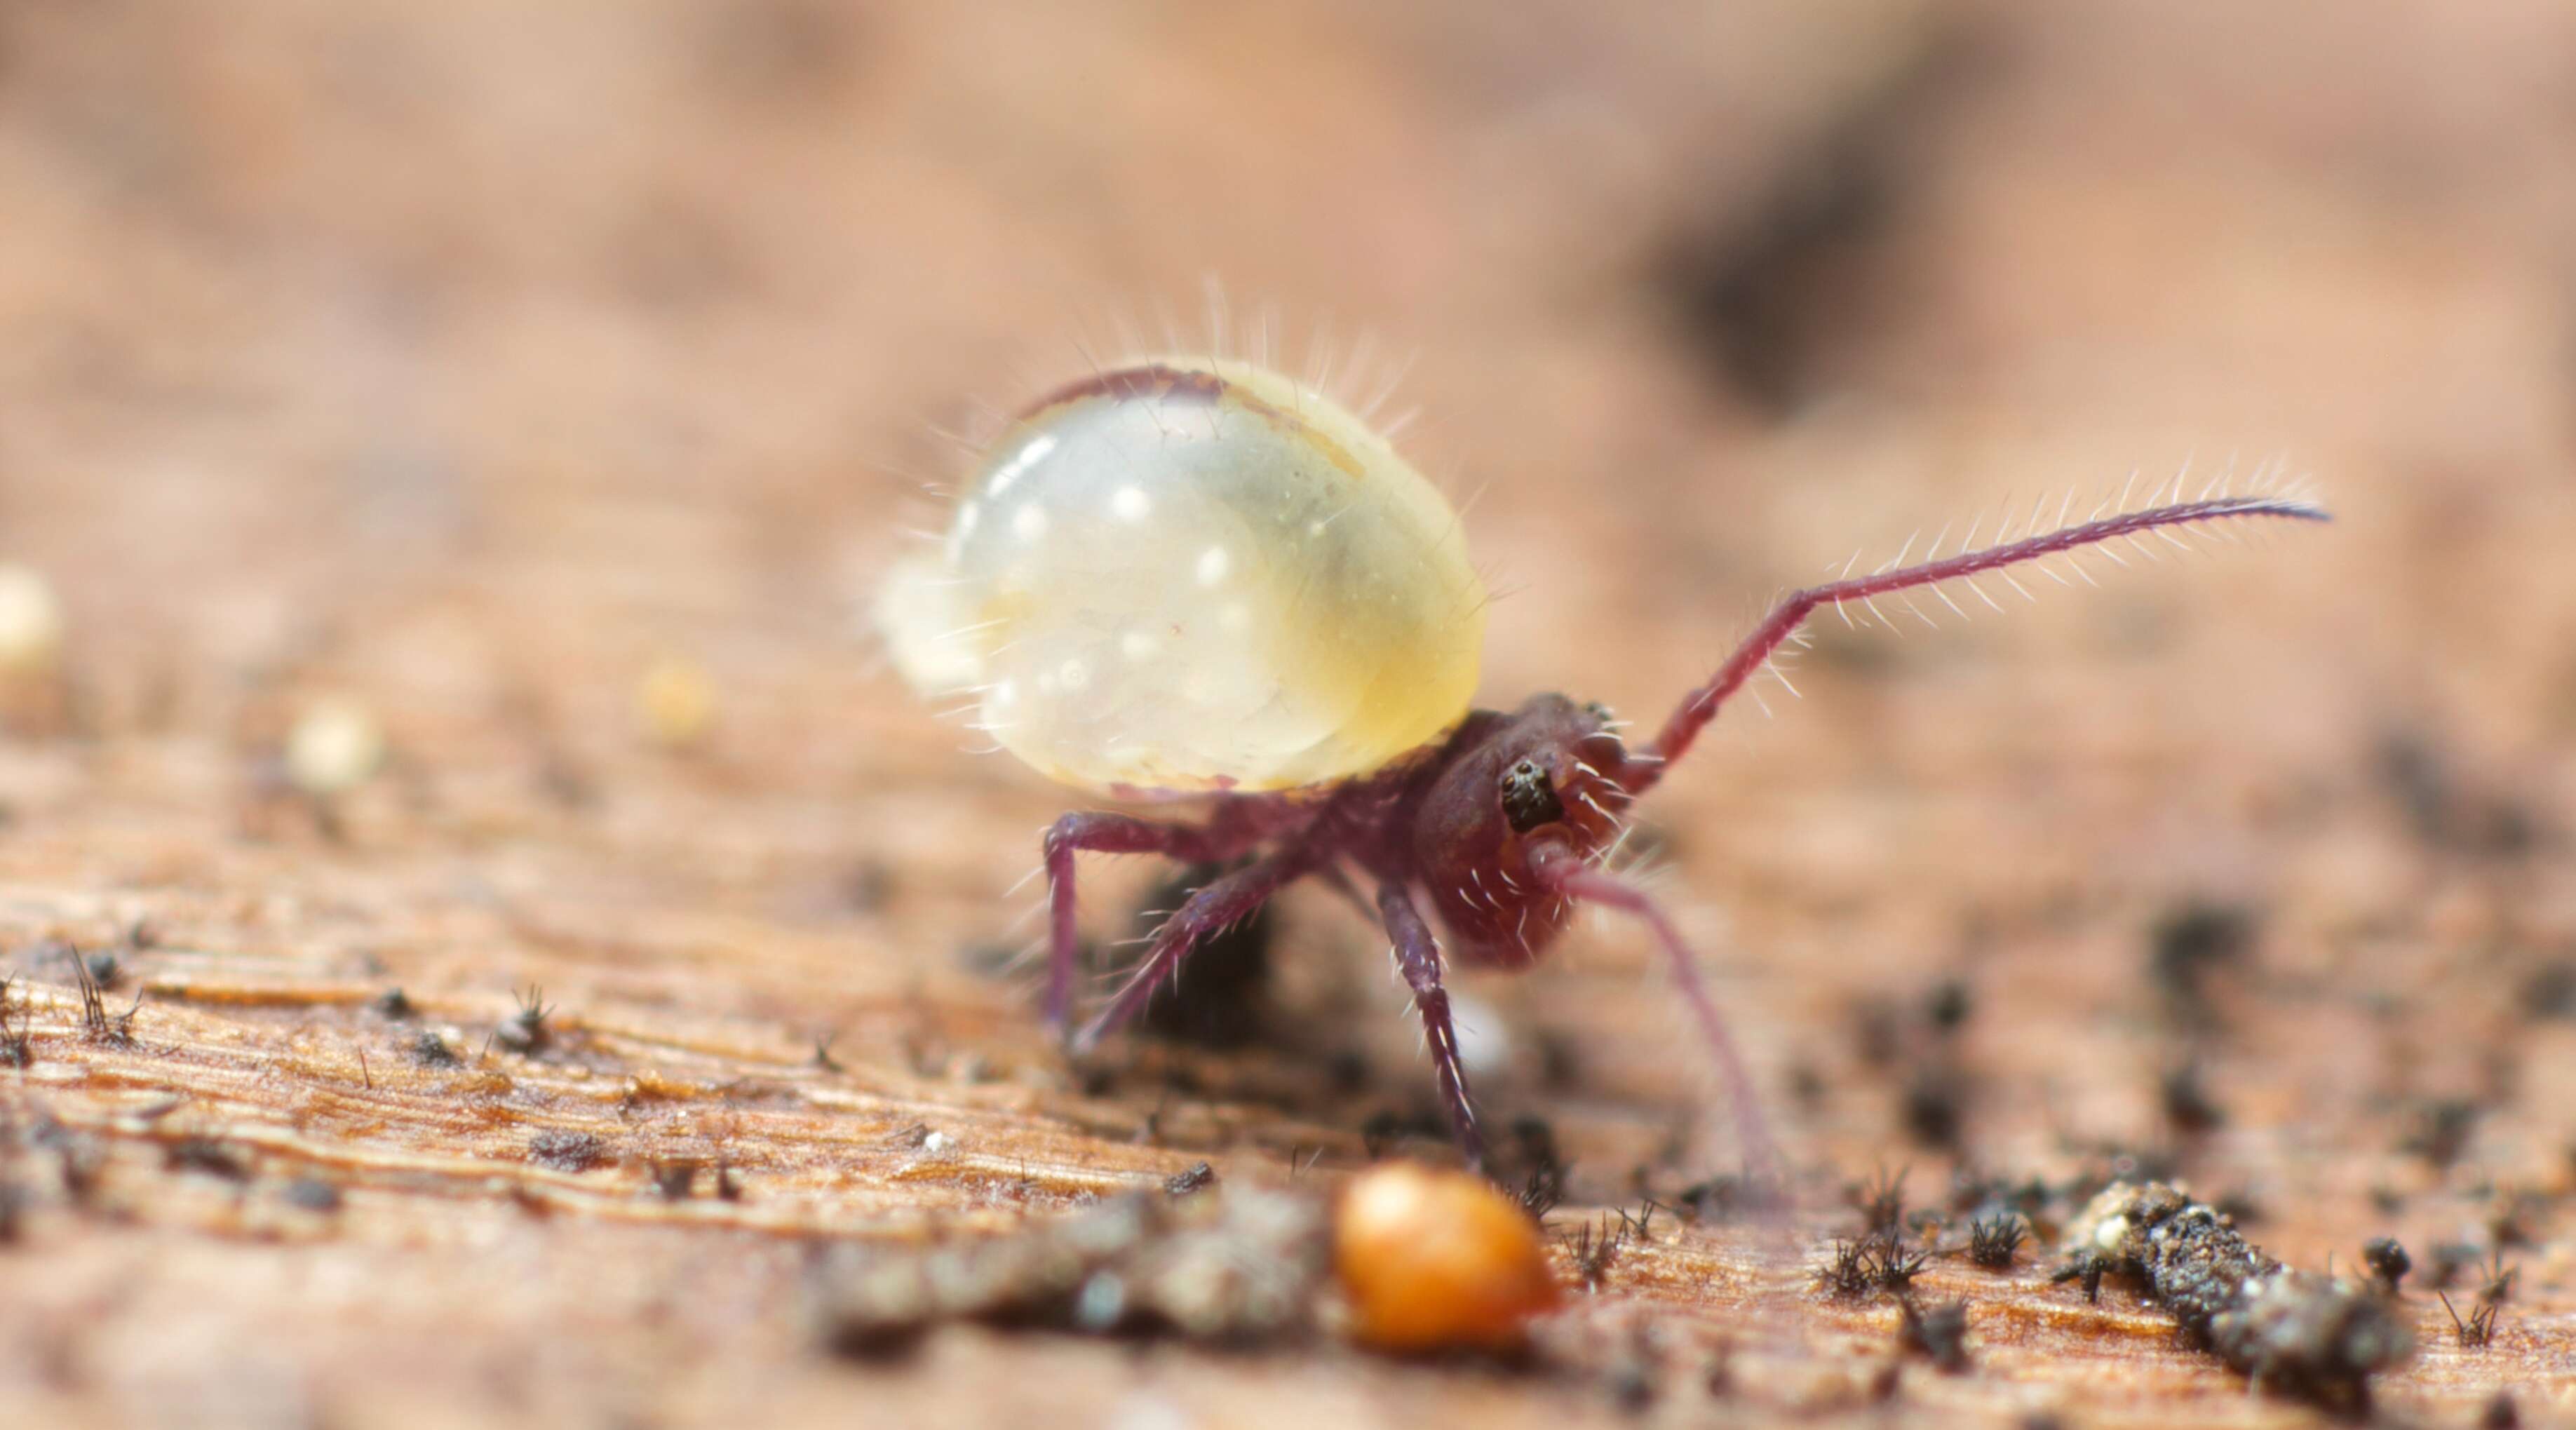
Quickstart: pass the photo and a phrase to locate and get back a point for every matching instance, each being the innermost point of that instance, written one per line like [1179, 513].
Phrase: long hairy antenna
[2100, 532]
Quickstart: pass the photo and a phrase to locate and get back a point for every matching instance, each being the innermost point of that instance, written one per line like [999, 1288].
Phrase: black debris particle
[1235, 1266]
[79, 1161]
[1977, 1196]
[1949, 1005]
[431, 1051]
[2441, 1130]
[2087, 1266]
[395, 1004]
[2497, 1278]
[1934, 1105]
[1198, 1178]
[1938, 1334]
[2500, 1413]
[867, 886]
[1993, 1240]
[2388, 1262]
[2188, 1106]
[567, 1151]
[1767, 295]
[2188, 944]
[1721, 1199]
[2510, 1218]
[1635, 1374]
[207, 1155]
[2444, 1263]
[1878, 1032]
[1385, 1129]
[313, 1194]
[2448, 812]
[2550, 991]
[2316, 1337]
[104, 969]
[2240, 1209]
[911, 1134]
[525, 1032]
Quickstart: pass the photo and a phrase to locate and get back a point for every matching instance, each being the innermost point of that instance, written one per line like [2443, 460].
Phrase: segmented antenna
[1858, 594]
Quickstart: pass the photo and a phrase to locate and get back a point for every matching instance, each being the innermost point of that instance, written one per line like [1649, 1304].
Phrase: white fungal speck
[1072, 675]
[1139, 646]
[1130, 504]
[1029, 522]
[1214, 563]
[31, 620]
[335, 746]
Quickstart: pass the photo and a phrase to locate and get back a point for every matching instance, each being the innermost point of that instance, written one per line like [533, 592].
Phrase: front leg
[1417, 955]
[1569, 874]
[1221, 841]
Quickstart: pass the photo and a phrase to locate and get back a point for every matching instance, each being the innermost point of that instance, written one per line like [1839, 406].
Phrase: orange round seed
[1433, 1258]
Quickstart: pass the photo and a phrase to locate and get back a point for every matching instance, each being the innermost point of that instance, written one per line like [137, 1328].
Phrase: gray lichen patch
[2318, 1337]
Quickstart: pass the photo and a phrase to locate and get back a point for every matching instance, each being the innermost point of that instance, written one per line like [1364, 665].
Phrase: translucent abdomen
[1183, 576]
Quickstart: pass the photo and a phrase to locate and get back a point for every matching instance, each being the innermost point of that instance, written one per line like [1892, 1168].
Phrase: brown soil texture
[503, 370]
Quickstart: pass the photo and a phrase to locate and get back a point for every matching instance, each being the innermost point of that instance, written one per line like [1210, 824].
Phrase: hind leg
[1114, 834]
[1219, 903]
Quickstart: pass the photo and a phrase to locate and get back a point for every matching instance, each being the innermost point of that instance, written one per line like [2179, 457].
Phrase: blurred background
[541, 389]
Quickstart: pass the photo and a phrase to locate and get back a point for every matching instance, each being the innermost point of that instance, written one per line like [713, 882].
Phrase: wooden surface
[468, 362]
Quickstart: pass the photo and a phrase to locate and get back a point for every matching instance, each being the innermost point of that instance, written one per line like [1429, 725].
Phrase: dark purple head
[1546, 772]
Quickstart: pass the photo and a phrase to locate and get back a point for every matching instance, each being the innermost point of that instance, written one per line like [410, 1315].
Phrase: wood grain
[472, 364]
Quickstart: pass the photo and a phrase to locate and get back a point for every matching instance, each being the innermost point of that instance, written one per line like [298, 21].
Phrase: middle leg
[1417, 954]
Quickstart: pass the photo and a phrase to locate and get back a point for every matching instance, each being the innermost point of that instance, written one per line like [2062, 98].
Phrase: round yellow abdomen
[1184, 575]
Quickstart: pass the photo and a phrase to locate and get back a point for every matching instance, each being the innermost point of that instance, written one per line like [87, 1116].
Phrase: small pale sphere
[31, 620]
[675, 702]
[335, 746]
[1185, 575]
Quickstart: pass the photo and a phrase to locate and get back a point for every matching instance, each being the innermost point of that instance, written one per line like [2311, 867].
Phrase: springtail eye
[1529, 798]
